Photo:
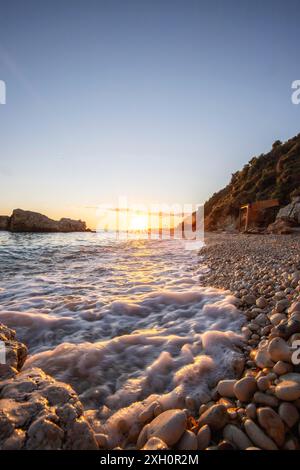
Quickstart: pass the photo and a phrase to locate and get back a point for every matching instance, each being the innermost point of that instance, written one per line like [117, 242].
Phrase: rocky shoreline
[36, 411]
[258, 409]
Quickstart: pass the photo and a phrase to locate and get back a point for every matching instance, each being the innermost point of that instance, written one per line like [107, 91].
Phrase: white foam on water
[126, 324]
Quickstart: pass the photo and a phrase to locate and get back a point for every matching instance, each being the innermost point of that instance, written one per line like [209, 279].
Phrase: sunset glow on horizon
[114, 108]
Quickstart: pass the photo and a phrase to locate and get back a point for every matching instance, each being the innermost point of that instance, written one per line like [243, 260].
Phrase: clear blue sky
[158, 100]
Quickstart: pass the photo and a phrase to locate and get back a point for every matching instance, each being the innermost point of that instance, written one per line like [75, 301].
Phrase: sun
[138, 222]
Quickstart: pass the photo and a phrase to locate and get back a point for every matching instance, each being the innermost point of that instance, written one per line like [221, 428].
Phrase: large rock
[37, 412]
[291, 212]
[28, 221]
[12, 353]
[4, 222]
[287, 217]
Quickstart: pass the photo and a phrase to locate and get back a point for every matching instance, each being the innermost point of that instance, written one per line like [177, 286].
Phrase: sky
[158, 101]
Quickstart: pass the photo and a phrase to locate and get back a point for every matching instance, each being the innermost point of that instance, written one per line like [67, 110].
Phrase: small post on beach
[247, 218]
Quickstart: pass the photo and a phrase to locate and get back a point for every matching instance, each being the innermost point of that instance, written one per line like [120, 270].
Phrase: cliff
[275, 175]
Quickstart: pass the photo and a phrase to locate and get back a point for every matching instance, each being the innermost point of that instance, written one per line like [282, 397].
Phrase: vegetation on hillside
[275, 175]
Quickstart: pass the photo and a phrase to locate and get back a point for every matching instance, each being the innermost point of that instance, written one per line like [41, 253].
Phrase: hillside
[272, 175]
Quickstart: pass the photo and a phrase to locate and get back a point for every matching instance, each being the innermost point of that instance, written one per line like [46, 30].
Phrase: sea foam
[126, 324]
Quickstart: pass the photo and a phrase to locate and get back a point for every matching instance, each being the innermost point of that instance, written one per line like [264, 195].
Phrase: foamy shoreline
[241, 414]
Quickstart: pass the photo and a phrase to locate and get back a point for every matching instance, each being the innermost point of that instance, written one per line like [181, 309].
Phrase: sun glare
[138, 222]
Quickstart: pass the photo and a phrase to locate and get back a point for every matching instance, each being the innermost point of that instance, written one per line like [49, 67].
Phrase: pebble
[282, 367]
[258, 437]
[288, 390]
[262, 359]
[188, 441]
[279, 350]
[154, 443]
[295, 307]
[203, 408]
[277, 318]
[225, 388]
[225, 445]
[272, 424]
[236, 436]
[148, 413]
[204, 437]
[249, 299]
[251, 411]
[265, 399]
[291, 444]
[168, 426]
[281, 305]
[227, 403]
[261, 319]
[101, 440]
[261, 302]
[15, 441]
[215, 417]
[232, 414]
[143, 437]
[288, 413]
[245, 388]
[263, 383]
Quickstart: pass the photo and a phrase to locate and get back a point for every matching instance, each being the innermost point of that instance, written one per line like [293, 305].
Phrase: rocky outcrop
[291, 212]
[28, 221]
[36, 411]
[4, 222]
[12, 354]
[274, 175]
[287, 218]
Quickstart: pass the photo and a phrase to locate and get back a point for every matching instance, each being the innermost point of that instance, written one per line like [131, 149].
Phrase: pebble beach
[259, 410]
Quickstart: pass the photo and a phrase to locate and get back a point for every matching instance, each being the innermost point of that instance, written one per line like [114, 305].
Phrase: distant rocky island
[28, 221]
